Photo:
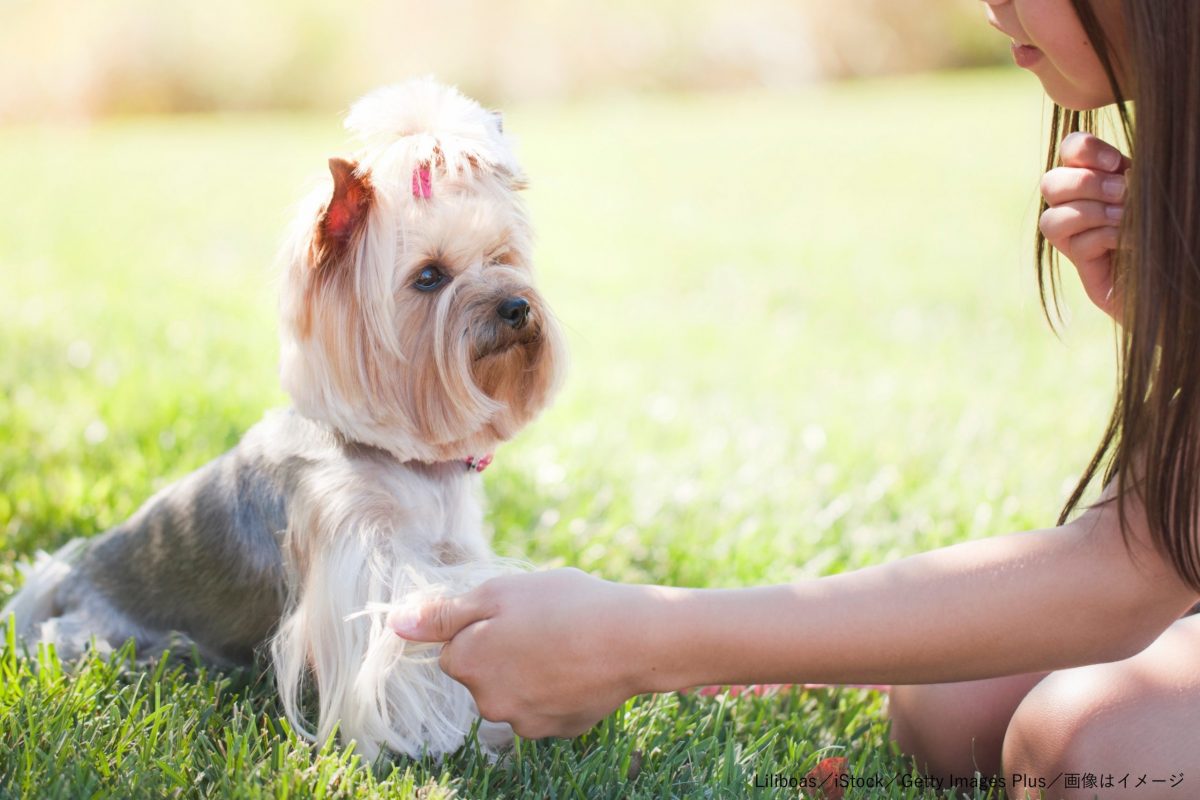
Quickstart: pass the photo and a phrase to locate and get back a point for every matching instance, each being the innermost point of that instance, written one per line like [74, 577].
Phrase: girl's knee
[954, 728]
[1066, 724]
[918, 714]
[904, 715]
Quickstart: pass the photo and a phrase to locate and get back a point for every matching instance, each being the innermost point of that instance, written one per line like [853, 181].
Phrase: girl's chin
[1074, 98]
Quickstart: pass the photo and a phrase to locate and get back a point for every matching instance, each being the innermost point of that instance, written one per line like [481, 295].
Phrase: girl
[1039, 653]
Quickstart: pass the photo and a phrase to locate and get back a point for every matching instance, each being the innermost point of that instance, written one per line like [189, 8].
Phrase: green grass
[805, 339]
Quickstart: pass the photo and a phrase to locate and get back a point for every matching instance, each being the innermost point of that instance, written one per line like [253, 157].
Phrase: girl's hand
[545, 652]
[1086, 201]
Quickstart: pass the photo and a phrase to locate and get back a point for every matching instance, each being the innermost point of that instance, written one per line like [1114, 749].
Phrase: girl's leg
[1133, 725]
[957, 728]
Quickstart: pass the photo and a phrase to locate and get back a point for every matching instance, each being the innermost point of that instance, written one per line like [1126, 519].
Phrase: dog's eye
[429, 279]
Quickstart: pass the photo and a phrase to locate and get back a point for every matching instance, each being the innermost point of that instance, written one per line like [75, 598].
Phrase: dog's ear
[347, 209]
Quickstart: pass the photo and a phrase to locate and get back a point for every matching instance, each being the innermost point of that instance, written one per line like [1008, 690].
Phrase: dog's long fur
[359, 497]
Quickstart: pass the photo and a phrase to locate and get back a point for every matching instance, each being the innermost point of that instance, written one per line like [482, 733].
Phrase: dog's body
[204, 556]
[413, 342]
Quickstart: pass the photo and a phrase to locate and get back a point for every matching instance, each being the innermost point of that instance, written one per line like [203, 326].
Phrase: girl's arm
[1026, 602]
[554, 652]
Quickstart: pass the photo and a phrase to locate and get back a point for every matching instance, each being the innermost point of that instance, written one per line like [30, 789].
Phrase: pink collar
[478, 464]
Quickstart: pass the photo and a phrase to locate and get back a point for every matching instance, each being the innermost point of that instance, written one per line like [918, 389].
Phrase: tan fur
[417, 373]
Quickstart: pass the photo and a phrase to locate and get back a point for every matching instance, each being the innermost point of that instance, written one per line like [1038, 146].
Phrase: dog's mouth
[500, 346]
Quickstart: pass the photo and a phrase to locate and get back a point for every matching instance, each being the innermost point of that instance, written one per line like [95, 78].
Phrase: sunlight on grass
[805, 338]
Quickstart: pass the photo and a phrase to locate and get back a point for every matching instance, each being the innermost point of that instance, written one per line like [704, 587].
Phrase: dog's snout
[514, 311]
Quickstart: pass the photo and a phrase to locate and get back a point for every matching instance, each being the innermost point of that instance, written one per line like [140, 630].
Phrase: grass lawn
[805, 339]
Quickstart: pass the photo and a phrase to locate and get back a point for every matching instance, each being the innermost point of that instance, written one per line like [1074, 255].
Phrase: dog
[413, 342]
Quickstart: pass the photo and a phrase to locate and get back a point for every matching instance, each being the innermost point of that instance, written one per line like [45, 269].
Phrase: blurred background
[68, 58]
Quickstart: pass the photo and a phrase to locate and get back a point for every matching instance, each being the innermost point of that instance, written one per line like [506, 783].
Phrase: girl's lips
[1026, 55]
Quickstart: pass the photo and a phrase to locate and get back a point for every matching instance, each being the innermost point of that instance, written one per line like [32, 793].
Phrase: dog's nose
[514, 311]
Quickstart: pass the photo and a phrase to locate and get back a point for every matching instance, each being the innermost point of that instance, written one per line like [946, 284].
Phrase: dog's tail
[37, 601]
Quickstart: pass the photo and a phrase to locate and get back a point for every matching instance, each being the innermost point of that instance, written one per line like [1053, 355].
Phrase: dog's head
[409, 316]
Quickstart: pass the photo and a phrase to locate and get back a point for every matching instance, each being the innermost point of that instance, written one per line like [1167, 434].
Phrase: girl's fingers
[1067, 184]
[1062, 223]
[1093, 250]
[1090, 152]
[438, 619]
[1085, 198]
[1091, 253]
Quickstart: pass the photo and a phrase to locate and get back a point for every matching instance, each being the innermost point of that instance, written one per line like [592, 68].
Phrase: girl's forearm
[1026, 602]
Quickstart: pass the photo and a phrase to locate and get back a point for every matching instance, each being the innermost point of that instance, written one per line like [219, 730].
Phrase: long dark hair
[1151, 445]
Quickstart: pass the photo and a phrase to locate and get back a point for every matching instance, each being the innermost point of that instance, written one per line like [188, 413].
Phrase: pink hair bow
[422, 183]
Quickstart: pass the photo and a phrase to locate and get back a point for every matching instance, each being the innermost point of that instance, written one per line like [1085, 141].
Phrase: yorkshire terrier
[413, 343]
